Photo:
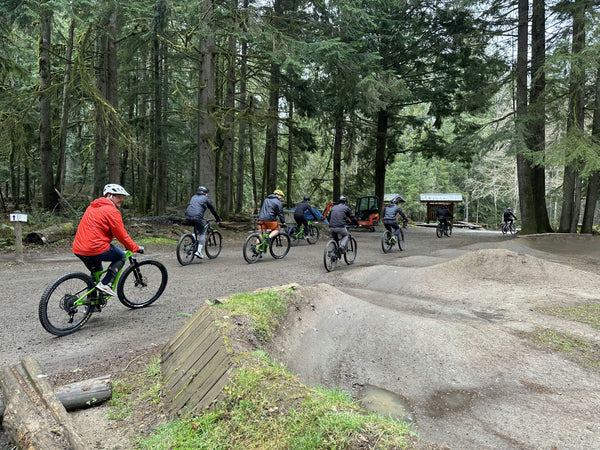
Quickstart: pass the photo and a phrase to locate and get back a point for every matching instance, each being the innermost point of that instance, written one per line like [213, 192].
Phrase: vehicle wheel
[386, 246]
[213, 244]
[449, 231]
[504, 228]
[140, 285]
[186, 248]
[313, 234]
[57, 312]
[293, 233]
[401, 242]
[250, 250]
[280, 246]
[512, 228]
[330, 257]
[351, 250]
[439, 230]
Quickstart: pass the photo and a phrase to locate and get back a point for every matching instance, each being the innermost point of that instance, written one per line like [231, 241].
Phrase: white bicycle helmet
[115, 189]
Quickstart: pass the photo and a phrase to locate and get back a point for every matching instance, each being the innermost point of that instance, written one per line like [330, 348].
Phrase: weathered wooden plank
[216, 370]
[189, 327]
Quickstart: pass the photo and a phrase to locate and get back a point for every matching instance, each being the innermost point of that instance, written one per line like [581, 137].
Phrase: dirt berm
[450, 346]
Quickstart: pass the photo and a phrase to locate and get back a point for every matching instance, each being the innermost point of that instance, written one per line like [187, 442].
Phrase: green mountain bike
[69, 301]
[256, 246]
[297, 234]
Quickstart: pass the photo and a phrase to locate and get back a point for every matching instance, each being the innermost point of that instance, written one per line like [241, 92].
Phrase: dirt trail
[437, 331]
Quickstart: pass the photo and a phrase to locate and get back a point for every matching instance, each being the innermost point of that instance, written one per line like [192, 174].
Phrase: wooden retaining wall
[195, 364]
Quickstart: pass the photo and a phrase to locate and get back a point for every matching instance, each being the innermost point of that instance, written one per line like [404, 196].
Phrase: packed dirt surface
[437, 334]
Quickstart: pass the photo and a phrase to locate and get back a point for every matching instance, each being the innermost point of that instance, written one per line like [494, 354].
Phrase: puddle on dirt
[445, 402]
[387, 403]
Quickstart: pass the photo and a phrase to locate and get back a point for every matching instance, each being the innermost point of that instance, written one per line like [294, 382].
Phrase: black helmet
[306, 198]
[342, 199]
[202, 190]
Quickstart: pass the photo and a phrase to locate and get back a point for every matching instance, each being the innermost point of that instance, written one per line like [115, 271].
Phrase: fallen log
[33, 415]
[51, 234]
[81, 394]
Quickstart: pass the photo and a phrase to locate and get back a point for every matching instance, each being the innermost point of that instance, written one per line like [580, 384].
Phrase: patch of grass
[267, 407]
[155, 240]
[129, 394]
[575, 349]
[265, 310]
[588, 313]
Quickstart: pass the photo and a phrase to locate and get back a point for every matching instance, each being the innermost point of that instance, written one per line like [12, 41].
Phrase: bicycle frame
[81, 300]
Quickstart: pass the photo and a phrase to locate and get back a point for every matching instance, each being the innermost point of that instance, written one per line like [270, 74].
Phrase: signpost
[18, 219]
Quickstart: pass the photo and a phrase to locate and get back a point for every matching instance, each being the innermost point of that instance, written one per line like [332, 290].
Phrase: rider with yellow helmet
[270, 211]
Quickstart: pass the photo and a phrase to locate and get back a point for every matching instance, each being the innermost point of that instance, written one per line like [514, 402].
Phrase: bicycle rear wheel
[401, 243]
[250, 249]
[186, 248]
[351, 250]
[439, 230]
[330, 257]
[280, 246]
[57, 312]
[293, 233]
[386, 245]
[313, 234]
[141, 284]
[213, 244]
[449, 230]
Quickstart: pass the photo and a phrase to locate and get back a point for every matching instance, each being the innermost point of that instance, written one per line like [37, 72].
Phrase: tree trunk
[64, 118]
[100, 126]
[272, 129]
[112, 97]
[380, 155]
[243, 115]
[569, 216]
[337, 158]
[206, 104]
[290, 159]
[537, 112]
[524, 176]
[226, 204]
[49, 197]
[594, 181]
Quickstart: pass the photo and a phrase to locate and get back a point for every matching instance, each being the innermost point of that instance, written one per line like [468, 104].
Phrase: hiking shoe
[106, 289]
[268, 240]
[199, 254]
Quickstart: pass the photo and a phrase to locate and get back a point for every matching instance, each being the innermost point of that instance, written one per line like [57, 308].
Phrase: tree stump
[51, 234]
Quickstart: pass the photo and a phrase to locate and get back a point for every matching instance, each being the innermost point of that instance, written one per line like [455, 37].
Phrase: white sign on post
[18, 217]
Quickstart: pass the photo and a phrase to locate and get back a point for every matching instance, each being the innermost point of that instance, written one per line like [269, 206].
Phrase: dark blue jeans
[114, 255]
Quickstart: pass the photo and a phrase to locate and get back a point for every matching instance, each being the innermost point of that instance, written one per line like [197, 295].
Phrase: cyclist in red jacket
[100, 223]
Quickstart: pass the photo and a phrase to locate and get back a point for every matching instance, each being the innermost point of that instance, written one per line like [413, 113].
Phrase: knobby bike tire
[330, 257]
[386, 245]
[293, 233]
[280, 246]
[56, 311]
[142, 284]
[512, 229]
[449, 230]
[213, 244]
[439, 230]
[250, 249]
[401, 241]
[186, 247]
[313, 234]
[351, 250]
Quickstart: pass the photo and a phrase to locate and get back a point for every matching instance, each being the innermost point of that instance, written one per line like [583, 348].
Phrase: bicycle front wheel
[213, 244]
[186, 248]
[313, 234]
[250, 249]
[449, 230]
[57, 311]
[401, 242]
[330, 256]
[512, 228]
[142, 283]
[293, 233]
[386, 246]
[280, 246]
[351, 250]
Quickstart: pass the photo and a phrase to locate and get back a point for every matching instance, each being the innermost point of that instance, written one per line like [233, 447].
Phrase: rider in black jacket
[270, 211]
[339, 216]
[389, 217]
[198, 205]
